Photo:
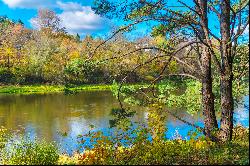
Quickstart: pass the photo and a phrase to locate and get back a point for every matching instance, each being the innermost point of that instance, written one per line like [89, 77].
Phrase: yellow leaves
[7, 51]
[201, 144]
[198, 145]
[120, 149]
[173, 66]
[159, 40]
[74, 55]
[3, 132]
[149, 78]
[9, 55]
[67, 160]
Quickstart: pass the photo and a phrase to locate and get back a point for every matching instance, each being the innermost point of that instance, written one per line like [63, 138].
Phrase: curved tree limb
[184, 121]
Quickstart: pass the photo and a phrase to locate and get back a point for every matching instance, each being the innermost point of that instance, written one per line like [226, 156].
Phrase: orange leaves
[17, 29]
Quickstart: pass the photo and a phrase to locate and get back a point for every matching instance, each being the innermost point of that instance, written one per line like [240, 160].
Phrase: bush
[133, 77]
[26, 152]
[142, 151]
[6, 76]
[80, 71]
[33, 79]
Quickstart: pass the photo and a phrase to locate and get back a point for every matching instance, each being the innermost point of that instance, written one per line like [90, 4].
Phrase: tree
[20, 22]
[228, 45]
[78, 38]
[188, 24]
[47, 19]
[13, 37]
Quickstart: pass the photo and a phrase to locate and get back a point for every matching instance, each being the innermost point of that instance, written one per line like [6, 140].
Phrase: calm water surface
[47, 116]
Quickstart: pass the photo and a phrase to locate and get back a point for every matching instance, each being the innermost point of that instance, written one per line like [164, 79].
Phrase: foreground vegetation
[107, 150]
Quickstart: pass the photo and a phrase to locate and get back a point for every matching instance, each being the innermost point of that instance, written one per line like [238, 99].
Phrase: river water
[47, 116]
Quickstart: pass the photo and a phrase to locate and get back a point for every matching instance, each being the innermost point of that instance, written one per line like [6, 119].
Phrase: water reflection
[51, 115]
[241, 114]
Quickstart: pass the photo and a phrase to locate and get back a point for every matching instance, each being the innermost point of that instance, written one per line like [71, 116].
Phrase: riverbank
[42, 89]
[37, 89]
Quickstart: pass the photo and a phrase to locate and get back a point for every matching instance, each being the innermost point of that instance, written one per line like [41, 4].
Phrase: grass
[42, 89]
[30, 89]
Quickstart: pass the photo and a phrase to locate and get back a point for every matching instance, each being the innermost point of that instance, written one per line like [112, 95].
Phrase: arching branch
[240, 31]
[186, 75]
[184, 121]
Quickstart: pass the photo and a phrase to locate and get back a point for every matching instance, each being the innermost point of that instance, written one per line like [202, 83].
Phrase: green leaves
[127, 92]
[81, 71]
[121, 118]
[159, 30]
[185, 95]
[102, 7]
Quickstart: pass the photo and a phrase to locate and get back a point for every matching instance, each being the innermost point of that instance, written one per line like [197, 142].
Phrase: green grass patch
[42, 89]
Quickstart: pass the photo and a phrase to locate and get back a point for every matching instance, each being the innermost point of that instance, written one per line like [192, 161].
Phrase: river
[47, 116]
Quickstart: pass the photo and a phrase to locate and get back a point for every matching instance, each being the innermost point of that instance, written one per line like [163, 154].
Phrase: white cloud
[244, 37]
[79, 19]
[29, 4]
[75, 17]
[69, 6]
[246, 31]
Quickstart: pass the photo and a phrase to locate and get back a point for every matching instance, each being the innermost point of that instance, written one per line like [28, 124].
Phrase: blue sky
[76, 15]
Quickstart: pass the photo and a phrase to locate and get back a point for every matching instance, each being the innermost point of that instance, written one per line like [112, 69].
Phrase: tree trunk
[210, 121]
[208, 97]
[226, 75]
[8, 62]
[226, 122]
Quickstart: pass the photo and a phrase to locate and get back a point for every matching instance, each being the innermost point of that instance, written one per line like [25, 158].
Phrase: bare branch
[115, 33]
[153, 48]
[213, 35]
[239, 32]
[186, 75]
[185, 64]
[243, 7]
[214, 10]
[184, 121]
[171, 54]
[190, 8]
[134, 51]
[159, 76]
[123, 80]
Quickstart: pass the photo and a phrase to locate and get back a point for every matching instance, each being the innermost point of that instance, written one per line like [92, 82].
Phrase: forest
[191, 70]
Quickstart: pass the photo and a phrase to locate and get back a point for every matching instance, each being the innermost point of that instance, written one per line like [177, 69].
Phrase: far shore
[42, 89]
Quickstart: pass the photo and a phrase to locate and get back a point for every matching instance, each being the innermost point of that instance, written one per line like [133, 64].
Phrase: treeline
[50, 55]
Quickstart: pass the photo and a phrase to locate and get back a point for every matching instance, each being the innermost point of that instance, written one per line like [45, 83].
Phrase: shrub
[132, 77]
[3, 137]
[80, 71]
[33, 79]
[26, 152]
[142, 151]
[6, 76]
